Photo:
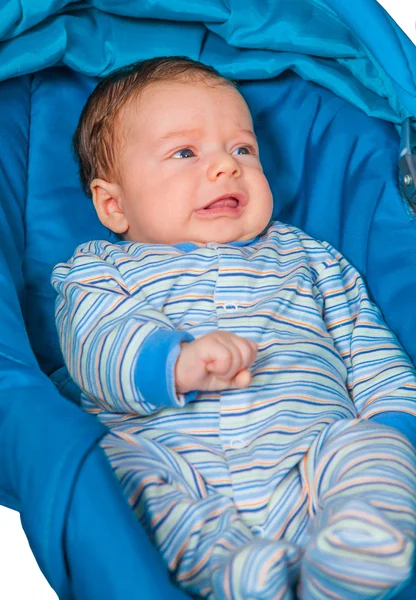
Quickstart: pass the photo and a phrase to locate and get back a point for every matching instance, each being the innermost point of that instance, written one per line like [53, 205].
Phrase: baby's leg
[362, 482]
[206, 545]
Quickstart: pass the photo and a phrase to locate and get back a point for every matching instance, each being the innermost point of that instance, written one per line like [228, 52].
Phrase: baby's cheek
[265, 191]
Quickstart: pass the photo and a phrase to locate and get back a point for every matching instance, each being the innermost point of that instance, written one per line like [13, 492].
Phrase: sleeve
[119, 349]
[381, 379]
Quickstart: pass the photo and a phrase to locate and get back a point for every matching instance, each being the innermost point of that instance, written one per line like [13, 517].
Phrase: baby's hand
[216, 361]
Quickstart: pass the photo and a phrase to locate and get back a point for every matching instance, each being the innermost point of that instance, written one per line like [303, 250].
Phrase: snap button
[257, 530]
[230, 307]
[237, 444]
[212, 245]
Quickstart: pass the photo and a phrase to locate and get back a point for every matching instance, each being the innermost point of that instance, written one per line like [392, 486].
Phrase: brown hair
[97, 137]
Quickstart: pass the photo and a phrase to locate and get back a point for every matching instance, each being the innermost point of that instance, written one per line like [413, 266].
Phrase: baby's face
[190, 167]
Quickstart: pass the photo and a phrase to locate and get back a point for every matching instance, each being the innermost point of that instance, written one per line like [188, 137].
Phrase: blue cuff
[155, 368]
[404, 422]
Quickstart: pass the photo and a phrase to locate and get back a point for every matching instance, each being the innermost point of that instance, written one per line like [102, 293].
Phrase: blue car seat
[332, 88]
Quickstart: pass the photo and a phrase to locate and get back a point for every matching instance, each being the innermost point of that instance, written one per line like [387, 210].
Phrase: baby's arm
[381, 378]
[114, 343]
[122, 351]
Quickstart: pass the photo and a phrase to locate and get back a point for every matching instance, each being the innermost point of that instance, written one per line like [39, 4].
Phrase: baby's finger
[248, 350]
[242, 379]
[254, 351]
[228, 361]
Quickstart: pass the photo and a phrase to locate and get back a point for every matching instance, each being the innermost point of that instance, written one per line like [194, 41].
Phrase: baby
[247, 381]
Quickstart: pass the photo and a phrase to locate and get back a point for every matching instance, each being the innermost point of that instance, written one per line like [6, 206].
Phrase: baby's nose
[223, 165]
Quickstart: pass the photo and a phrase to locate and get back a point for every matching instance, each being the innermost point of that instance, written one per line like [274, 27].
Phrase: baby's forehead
[179, 102]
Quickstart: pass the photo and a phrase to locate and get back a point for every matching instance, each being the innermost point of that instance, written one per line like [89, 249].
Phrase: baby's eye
[243, 150]
[184, 153]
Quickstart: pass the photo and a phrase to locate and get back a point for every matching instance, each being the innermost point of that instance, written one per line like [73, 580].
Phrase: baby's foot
[355, 553]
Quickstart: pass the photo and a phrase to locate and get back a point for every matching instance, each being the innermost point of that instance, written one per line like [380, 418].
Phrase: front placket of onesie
[235, 414]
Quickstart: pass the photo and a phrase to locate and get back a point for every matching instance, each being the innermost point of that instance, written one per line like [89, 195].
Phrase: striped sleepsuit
[297, 480]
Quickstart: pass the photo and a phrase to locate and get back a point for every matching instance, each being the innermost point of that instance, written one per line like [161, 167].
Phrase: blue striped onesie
[296, 481]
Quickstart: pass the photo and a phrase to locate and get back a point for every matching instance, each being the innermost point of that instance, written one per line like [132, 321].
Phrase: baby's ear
[108, 202]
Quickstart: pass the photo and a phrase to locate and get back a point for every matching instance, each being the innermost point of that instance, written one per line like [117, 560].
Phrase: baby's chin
[218, 235]
[227, 237]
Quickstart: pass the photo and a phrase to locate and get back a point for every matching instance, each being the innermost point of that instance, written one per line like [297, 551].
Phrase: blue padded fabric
[14, 141]
[56, 217]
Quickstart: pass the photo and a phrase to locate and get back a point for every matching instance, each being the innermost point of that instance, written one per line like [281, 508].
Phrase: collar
[190, 246]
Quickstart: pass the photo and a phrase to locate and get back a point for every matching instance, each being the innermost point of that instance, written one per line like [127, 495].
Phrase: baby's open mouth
[231, 205]
[223, 202]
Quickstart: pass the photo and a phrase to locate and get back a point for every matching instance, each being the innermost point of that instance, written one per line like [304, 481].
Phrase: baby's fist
[216, 361]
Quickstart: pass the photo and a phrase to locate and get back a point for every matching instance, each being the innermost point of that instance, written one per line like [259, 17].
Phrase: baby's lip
[239, 197]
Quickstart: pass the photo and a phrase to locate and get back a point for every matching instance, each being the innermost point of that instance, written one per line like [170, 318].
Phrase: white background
[20, 577]
[404, 13]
